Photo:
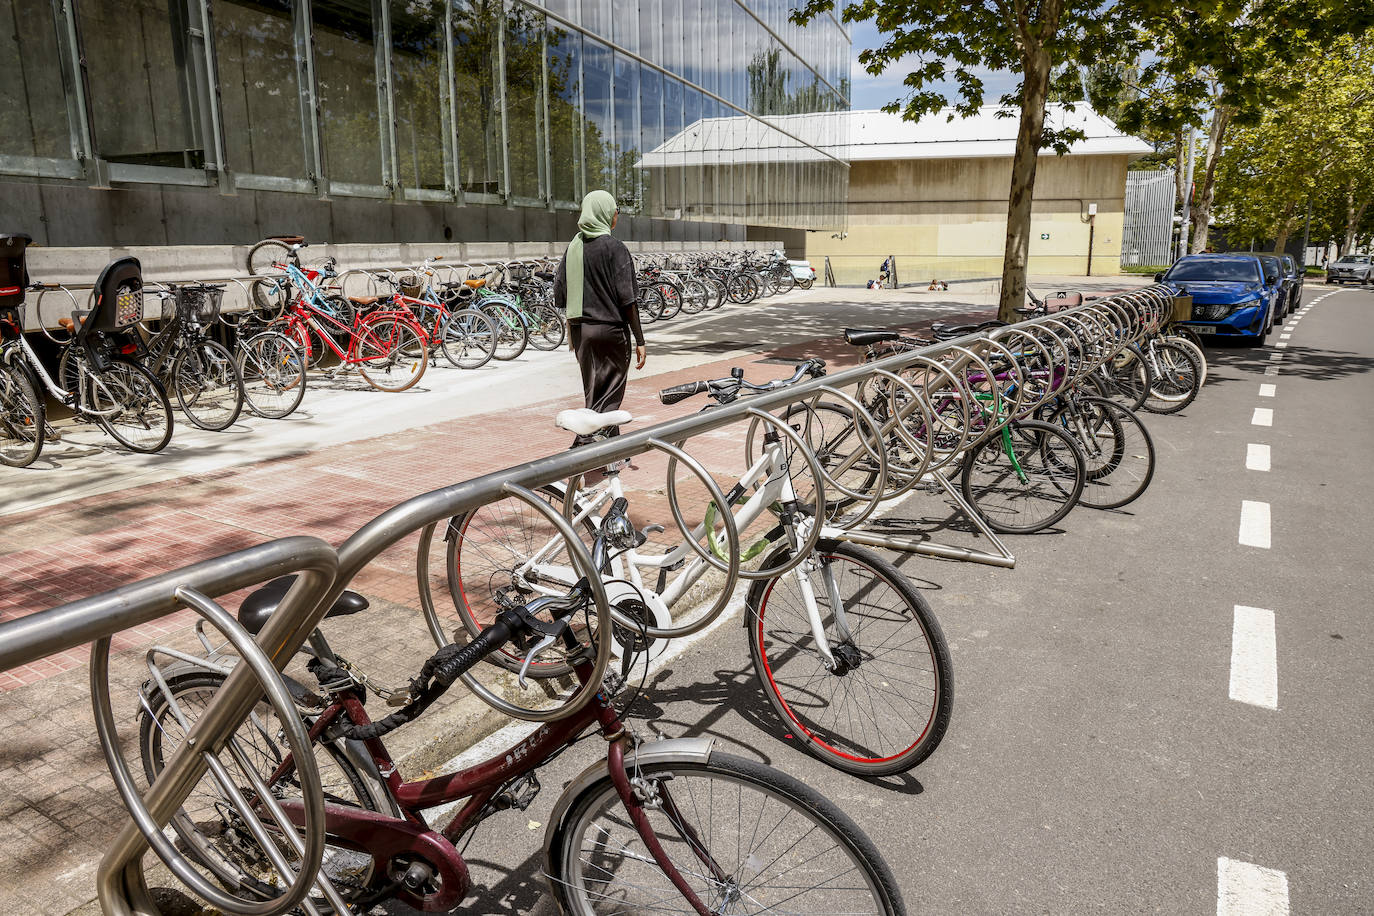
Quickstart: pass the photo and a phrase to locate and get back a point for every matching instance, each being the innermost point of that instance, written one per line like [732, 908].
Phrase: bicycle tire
[391, 353]
[511, 334]
[1118, 448]
[672, 300]
[859, 718]
[695, 296]
[1049, 485]
[548, 329]
[1128, 378]
[596, 862]
[1178, 380]
[212, 832]
[23, 419]
[131, 406]
[272, 367]
[1189, 340]
[650, 304]
[831, 431]
[468, 339]
[208, 386]
[268, 299]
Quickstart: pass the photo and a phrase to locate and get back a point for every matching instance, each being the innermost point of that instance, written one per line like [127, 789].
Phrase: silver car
[1353, 268]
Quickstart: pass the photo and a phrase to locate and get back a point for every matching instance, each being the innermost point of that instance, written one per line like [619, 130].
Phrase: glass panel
[525, 100]
[565, 119]
[626, 26]
[346, 73]
[691, 117]
[672, 131]
[565, 8]
[34, 121]
[419, 61]
[627, 133]
[136, 64]
[651, 30]
[596, 17]
[651, 137]
[598, 130]
[476, 25]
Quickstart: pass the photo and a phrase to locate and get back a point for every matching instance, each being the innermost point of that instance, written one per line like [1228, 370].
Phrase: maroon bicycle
[669, 826]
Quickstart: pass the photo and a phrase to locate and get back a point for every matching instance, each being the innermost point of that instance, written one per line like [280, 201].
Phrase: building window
[627, 103]
[598, 144]
[476, 33]
[525, 100]
[419, 63]
[650, 137]
[34, 120]
[565, 118]
[346, 74]
[140, 96]
[260, 94]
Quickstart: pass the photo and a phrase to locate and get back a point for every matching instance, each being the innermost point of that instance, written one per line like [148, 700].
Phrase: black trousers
[603, 355]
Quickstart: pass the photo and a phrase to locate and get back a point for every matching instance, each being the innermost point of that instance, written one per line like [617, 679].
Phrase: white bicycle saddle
[584, 421]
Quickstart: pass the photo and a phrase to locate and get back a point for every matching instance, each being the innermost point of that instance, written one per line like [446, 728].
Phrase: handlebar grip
[681, 392]
[487, 642]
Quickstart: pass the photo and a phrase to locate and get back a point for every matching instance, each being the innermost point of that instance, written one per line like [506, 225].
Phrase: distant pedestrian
[596, 288]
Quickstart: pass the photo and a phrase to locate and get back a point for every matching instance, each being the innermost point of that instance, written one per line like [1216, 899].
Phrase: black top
[608, 285]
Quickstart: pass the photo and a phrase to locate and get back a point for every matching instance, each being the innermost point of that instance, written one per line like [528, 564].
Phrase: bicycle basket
[1183, 308]
[199, 303]
[520, 272]
[410, 286]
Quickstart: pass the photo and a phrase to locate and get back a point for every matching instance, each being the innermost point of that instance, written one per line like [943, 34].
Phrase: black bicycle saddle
[863, 337]
[257, 607]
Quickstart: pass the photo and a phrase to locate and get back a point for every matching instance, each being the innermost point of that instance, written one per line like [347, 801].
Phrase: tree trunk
[1285, 228]
[1036, 71]
[1180, 168]
[1202, 208]
[1353, 215]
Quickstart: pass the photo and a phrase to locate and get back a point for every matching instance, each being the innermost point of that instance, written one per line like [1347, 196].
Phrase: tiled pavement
[58, 809]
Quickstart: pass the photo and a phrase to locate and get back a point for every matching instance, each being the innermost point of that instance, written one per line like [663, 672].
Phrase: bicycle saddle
[863, 337]
[477, 283]
[584, 421]
[951, 331]
[366, 300]
[258, 606]
[544, 274]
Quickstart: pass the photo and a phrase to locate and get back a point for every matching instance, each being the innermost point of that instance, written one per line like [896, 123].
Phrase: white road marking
[1263, 416]
[1276, 356]
[1254, 658]
[1250, 890]
[1267, 391]
[1256, 457]
[1271, 370]
[1284, 336]
[1281, 344]
[1254, 524]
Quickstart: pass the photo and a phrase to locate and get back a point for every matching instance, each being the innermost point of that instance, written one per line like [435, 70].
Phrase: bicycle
[273, 369]
[106, 385]
[825, 618]
[669, 826]
[467, 337]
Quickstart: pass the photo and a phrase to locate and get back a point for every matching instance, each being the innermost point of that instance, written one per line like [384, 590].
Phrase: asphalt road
[1097, 761]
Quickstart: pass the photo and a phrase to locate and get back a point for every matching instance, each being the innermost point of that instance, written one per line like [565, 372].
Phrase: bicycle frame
[75, 399]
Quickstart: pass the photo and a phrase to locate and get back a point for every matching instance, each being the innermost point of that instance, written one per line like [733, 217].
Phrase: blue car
[1234, 295]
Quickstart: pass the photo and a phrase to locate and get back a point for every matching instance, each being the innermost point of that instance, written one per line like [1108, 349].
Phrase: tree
[1045, 41]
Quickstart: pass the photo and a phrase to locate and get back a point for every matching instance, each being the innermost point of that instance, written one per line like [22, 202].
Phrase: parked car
[1351, 268]
[1293, 274]
[1273, 273]
[1233, 295]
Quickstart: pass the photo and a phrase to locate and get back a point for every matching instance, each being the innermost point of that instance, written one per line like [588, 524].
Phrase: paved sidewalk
[59, 809]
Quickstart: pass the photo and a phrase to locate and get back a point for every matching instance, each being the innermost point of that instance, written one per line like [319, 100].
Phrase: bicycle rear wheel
[468, 339]
[884, 703]
[547, 328]
[390, 353]
[1119, 451]
[208, 386]
[130, 405]
[650, 304]
[511, 334]
[272, 367]
[746, 837]
[1026, 481]
[22, 419]
[1177, 378]
[696, 296]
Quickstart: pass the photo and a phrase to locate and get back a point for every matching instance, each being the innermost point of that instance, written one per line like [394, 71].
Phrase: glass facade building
[695, 110]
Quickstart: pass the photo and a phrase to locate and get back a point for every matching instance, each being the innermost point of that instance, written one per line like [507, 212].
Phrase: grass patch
[1147, 269]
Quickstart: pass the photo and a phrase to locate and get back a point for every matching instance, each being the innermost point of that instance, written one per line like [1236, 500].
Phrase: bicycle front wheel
[1177, 378]
[469, 339]
[746, 837]
[391, 354]
[208, 386]
[547, 328]
[883, 701]
[511, 334]
[1026, 481]
[1119, 451]
[22, 419]
[131, 406]
[272, 367]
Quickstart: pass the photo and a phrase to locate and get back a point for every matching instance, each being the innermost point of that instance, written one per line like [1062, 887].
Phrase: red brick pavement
[54, 555]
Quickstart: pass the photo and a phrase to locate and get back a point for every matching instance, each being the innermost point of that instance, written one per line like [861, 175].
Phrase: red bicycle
[670, 826]
[386, 345]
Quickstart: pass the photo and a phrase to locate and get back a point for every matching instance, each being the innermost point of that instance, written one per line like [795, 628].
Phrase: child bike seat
[257, 607]
[584, 421]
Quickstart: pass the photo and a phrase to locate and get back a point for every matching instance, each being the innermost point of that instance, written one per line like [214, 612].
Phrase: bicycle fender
[691, 750]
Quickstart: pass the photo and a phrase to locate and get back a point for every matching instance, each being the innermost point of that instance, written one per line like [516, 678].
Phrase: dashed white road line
[1276, 356]
[1256, 457]
[1254, 658]
[1263, 416]
[1281, 344]
[1254, 524]
[1267, 391]
[1271, 370]
[1244, 889]
[1285, 336]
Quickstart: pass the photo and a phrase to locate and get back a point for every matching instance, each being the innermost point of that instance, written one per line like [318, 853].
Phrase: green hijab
[598, 209]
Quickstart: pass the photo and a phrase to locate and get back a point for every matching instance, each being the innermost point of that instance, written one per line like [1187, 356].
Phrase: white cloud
[870, 91]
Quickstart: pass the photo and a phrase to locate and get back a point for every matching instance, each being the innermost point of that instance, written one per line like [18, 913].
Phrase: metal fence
[1149, 226]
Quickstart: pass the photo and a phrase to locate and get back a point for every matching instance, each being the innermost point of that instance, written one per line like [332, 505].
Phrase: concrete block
[487, 251]
[203, 216]
[541, 226]
[418, 222]
[22, 210]
[505, 224]
[469, 223]
[292, 214]
[360, 220]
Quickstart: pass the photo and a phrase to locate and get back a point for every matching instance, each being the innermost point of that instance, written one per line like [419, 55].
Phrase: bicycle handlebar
[724, 389]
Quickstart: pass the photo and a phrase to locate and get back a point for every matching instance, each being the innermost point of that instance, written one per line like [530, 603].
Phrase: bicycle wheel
[884, 704]
[511, 334]
[130, 405]
[390, 354]
[22, 419]
[211, 828]
[832, 432]
[507, 551]
[746, 837]
[208, 386]
[1026, 481]
[264, 254]
[469, 339]
[1128, 378]
[672, 300]
[695, 296]
[1118, 449]
[650, 304]
[739, 289]
[1177, 378]
[547, 328]
[272, 367]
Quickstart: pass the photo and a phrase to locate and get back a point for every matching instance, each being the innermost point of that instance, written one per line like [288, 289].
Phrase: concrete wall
[946, 218]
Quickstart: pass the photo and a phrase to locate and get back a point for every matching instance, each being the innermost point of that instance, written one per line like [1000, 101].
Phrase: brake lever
[538, 647]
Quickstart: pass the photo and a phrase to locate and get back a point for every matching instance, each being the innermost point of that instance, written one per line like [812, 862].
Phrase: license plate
[1204, 328]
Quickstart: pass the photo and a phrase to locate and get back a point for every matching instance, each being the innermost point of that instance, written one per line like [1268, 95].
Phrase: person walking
[595, 287]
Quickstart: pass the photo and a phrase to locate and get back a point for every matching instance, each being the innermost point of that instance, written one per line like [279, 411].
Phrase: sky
[876, 91]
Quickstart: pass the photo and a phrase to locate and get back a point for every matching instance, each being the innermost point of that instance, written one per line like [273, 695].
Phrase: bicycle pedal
[519, 794]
